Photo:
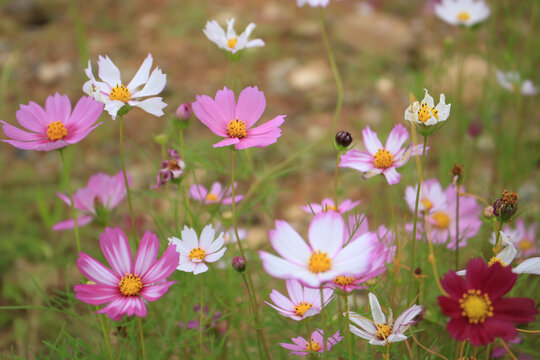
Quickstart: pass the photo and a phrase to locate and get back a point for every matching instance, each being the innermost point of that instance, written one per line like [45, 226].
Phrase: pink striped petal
[95, 294]
[163, 267]
[396, 138]
[70, 224]
[146, 253]
[371, 141]
[154, 292]
[115, 247]
[96, 271]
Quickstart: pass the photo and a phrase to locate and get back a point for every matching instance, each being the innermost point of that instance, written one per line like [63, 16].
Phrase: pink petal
[391, 175]
[96, 271]
[95, 294]
[15, 133]
[33, 117]
[371, 141]
[51, 145]
[358, 160]
[396, 138]
[251, 105]
[206, 110]
[226, 103]
[74, 137]
[226, 142]
[58, 107]
[289, 244]
[327, 232]
[163, 267]
[267, 126]
[70, 224]
[146, 253]
[115, 247]
[154, 292]
[85, 113]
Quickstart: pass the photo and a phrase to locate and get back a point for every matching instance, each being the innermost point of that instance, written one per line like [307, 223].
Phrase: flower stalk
[73, 211]
[128, 191]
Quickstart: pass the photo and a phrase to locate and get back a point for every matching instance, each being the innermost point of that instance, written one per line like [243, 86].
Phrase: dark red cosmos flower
[478, 312]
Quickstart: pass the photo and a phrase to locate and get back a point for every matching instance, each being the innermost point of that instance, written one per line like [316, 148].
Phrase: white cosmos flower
[380, 330]
[462, 12]
[112, 92]
[313, 3]
[426, 112]
[196, 252]
[229, 41]
[511, 81]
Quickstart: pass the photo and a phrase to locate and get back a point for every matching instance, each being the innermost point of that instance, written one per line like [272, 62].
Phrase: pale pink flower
[102, 194]
[325, 257]
[315, 344]
[128, 285]
[329, 205]
[225, 118]
[302, 301]
[432, 197]
[55, 126]
[379, 159]
[216, 195]
[523, 237]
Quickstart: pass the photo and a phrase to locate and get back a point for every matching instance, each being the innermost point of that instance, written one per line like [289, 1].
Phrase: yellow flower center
[237, 129]
[313, 346]
[319, 262]
[526, 244]
[173, 165]
[302, 307]
[383, 331]
[121, 93]
[425, 112]
[383, 159]
[211, 197]
[476, 306]
[427, 204]
[442, 220]
[231, 43]
[56, 130]
[130, 285]
[330, 208]
[343, 280]
[197, 254]
[463, 16]
[494, 260]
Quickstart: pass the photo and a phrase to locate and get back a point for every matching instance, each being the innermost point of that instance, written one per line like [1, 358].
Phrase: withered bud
[239, 264]
[457, 173]
[506, 206]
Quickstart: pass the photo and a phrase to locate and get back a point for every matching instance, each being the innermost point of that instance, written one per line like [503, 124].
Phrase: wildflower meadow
[322, 179]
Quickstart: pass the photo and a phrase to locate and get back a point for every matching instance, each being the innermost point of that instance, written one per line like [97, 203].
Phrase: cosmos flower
[379, 159]
[303, 347]
[325, 257]
[432, 197]
[381, 330]
[462, 12]
[55, 126]
[302, 301]
[476, 307]
[234, 121]
[112, 92]
[328, 205]
[229, 235]
[230, 41]
[170, 169]
[522, 237]
[196, 252]
[511, 81]
[102, 194]
[313, 3]
[128, 285]
[217, 194]
[426, 113]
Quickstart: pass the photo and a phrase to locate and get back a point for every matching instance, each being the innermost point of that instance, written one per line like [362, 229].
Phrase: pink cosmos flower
[302, 301]
[170, 169]
[225, 118]
[432, 197]
[379, 159]
[325, 257]
[127, 285]
[522, 237]
[328, 204]
[303, 347]
[102, 193]
[55, 126]
[217, 194]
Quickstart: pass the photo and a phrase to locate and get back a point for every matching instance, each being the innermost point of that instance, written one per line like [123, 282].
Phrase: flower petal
[146, 253]
[115, 247]
[251, 105]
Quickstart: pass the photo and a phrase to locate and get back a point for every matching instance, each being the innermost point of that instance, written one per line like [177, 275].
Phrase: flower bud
[343, 139]
[418, 271]
[457, 174]
[474, 129]
[488, 212]
[239, 264]
[183, 111]
[506, 206]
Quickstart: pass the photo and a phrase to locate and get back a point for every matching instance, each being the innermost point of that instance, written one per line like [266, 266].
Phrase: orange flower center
[120, 93]
[302, 307]
[130, 285]
[383, 331]
[425, 112]
[236, 129]
[343, 280]
[526, 244]
[197, 254]
[56, 130]
[319, 262]
[442, 220]
[463, 16]
[313, 346]
[494, 260]
[231, 43]
[173, 165]
[383, 159]
[476, 306]
[427, 204]
[211, 197]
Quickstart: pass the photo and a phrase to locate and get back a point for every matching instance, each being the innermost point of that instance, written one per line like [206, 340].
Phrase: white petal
[152, 106]
[529, 266]
[154, 86]
[108, 72]
[141, 77]
[378, 315]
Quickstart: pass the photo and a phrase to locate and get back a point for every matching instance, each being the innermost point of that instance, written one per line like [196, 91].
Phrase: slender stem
[201, 319]
[398, 247]
[336, 180]
[325, 319]
[128, 191]
[498, 234]
[457, 227]
[73, 210]
[508, 351]
[348, 331]
[187, 202]
[335, 71]
[141, 336]
[105, 331]
[415, 218]
[252, 308]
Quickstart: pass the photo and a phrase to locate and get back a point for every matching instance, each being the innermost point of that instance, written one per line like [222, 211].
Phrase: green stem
[185, 192]
[252, 308]
[128, 191]
[348, 330]
[398, 247]
[325, 319]
[201, 318]
[141, 337]
[457, 227]
[73, 210]
[415, 219]
[336, 180]
[105, 330]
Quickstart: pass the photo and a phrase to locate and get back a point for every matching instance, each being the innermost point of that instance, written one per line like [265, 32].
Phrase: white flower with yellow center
[426, 113]
[112, 92]
[462, 12]
[230, 41]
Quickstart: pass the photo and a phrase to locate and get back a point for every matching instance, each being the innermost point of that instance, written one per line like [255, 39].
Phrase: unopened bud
[342, 140]
[239, 264]
[488, 212]
[161, 139]
[418, 271]
[183, 111]
[475, 129]
[506, 206]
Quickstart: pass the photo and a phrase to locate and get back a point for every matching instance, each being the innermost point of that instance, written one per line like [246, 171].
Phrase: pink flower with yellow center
[216, 195]
[234, 121]
[523, 237]
[327, 255]
[127, 285]
[54, 127]
[379, 159]
[329, 205]
[302, 347]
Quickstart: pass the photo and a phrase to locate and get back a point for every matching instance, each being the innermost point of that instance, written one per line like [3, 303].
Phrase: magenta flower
[102, 194]
[379, 159]
[302, 301]
[127, 285]
[225, 118]
[170, 169]
[328, 205]
[303, 347]
[217, 194]
[55, 126]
